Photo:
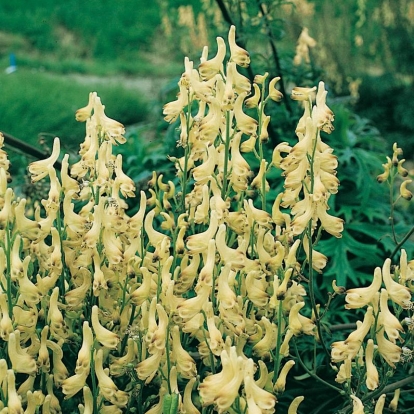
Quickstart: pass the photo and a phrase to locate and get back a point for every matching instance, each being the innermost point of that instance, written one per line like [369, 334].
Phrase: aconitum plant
[202, 299]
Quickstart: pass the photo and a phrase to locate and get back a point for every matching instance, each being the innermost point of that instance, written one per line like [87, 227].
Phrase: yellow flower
[372, 380]
[388, 350]
[211, 67]
[20, 359]
[274, 94]
[298, 323]
[268, 342]
[293, 407]
[84, 113]
[104, 336]
[359, 297]
[147, 368]
[379, 406]
[407, 194]
[14, 403]
[350, 347]
[344, 373]
[390, 322]
[394, 402]
[397, 293]
[184, 362]
[245, 123]
[222, 388]
[256, 396]
[73, 384]
[358, 407]
[237, 54]
[280, 384]
[40, 169]
[188, 406]
[106, 386]
[259, 79]
[253, 101]
[303, 94]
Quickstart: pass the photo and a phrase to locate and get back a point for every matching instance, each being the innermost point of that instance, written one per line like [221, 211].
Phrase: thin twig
[275, 53]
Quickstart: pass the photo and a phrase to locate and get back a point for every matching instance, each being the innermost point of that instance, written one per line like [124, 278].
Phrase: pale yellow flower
[211, 67]
[303, 94]
[104, 336]
[188, 406]
[390, 322]
[14, 403]
[397, 293]
[394, 402]
[237, 54]
[293, 407]
[280, 384]
[379, 406]
[275, 94]
[298, 323]
[84, 113]
[245, 123]
[222, 389]
[106, 386]
[40, 169]
[253, 101]
[344, 373]
[404, 192]
[268, 342]
[321, 113]
[372, 380]
[358, 407]
[350, 347]
[59, 370]
[256, 395]
[388, 350]
[359, 297]
[55, 318]
[147, 368]
[20, 359]
[73, 384]
[184, 362]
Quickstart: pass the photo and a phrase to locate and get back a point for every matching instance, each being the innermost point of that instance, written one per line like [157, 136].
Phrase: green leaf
[338, 250]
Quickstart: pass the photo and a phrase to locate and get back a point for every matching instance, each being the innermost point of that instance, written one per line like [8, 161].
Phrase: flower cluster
[199, 298]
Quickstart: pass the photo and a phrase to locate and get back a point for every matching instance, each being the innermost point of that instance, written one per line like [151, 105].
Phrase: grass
[36, 104]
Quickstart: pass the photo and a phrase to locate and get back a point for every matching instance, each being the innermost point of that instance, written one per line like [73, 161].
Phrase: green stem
[186, 155]
[278, 357]
[401, 243]
[226, 156]
[95, 390]
[9, 241]
[311, 373]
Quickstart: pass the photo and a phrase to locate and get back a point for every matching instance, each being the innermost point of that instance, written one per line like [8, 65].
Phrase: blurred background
[54, 52]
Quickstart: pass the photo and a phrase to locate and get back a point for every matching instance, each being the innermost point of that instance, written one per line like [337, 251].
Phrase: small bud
[339, 290]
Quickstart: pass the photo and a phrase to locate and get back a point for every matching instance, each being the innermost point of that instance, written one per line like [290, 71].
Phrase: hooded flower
[222, 389]
[40, 169]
